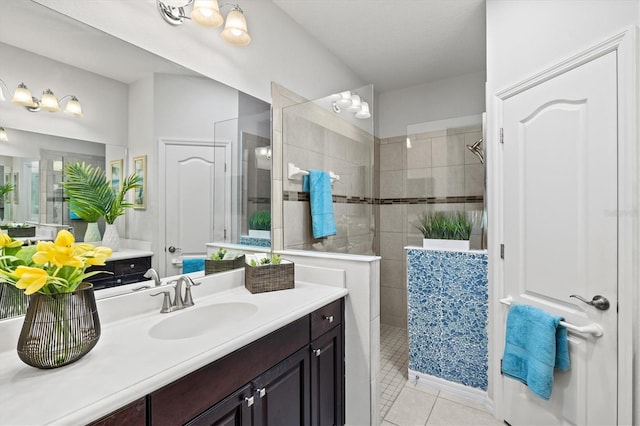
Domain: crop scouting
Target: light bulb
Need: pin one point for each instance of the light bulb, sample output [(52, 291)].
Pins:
[(22, 96), (235, 30), (74, 107), (207, 13), (49, 102), (364, 112)]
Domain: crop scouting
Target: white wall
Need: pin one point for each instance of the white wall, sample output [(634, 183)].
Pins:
[(280, 50), (172, 107), (104, 101), (444, 99), (526, 36)]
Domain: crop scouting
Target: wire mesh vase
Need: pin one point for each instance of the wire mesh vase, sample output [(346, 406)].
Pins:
[(59, 329), (13, 301)]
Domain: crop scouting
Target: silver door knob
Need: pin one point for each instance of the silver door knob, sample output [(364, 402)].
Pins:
[(598, 302)]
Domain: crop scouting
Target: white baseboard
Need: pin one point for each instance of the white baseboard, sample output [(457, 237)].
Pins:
[(456, 390)]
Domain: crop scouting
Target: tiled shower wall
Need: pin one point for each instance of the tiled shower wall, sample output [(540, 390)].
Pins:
[(437, 173), (315, 138)]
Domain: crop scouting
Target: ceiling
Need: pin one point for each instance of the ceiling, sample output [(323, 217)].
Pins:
[(391, 44), (396, 44)]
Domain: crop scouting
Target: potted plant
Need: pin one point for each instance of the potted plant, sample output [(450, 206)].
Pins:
[(223, 260), (264, 272), (5, 189), (91, 195), (260, 224), (61, 323), (449, 231)]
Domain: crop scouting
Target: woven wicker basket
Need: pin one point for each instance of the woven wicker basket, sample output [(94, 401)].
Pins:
[(258, 279), (213, 266), (29, 231)]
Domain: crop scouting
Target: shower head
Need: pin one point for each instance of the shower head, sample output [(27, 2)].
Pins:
[(477, 150)]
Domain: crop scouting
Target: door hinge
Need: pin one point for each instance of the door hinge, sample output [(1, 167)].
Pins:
[(501, 135), (225, 234), (225, 167), (501, 251)]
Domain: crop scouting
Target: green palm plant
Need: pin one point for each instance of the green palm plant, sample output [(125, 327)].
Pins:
[(5, 189), (91, 195)]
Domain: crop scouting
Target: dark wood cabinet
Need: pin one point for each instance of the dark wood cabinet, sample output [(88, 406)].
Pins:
[(327, 379), (120, 272), (133, 414), (234, 410), (282, 394), (285, 378)]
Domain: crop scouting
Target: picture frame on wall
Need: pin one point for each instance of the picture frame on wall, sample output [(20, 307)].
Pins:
[(116, 174), (16, 188), (140, 194)]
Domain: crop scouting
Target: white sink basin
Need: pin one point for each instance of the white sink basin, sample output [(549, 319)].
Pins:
[(198, 321)]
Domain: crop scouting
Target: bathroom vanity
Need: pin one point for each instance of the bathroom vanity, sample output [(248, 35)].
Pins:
[(293, 376), (234, 356), (124, 267)]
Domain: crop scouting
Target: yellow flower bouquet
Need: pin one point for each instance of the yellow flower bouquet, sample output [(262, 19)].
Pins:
[(61, 324), (49, 267)]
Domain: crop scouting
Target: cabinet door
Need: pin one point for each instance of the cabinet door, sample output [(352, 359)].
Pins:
[(282, 393), (327, 379), (235, 410)]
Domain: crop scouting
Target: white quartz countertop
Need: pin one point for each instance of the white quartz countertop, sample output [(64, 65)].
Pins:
[(127, 363), (128, 253)]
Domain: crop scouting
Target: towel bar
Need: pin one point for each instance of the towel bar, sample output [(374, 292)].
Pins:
[(293, 171), (593, 328)]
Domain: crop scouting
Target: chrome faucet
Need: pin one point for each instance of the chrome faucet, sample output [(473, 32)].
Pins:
[(153, 274), (178, 302)]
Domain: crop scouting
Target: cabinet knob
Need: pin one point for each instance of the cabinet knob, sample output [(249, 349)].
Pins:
[(262, 392), (249, 400), (317, 352), (328, 318), (132, 266)]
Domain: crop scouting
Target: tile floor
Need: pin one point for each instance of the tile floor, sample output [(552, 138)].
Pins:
[(404, 404)]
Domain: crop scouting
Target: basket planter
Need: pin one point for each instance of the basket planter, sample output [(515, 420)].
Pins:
[(213, 266), (258, 279), (59, 329), (29, 231)]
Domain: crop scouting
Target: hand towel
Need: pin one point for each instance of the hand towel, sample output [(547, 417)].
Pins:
[(535, 345), (192, 264), (318, 184)]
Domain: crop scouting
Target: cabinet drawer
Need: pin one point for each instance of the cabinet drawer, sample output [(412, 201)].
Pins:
[(325, 318), (131, 266)]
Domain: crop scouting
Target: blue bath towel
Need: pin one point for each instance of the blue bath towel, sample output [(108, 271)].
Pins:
[(192, 264), (318, 184), (535, 345)]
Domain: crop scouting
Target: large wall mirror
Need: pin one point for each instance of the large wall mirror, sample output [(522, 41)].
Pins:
[(133, 101)]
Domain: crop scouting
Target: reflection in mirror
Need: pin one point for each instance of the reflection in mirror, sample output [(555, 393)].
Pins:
[(248, 219), (128, 104)]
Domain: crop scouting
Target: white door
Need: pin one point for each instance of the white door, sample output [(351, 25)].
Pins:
[(194, 208), (560, 233)]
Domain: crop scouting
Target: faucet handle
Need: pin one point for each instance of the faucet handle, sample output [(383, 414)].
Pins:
[(188, 300), (166, 302)]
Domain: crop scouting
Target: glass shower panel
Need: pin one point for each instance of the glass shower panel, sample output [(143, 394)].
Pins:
[(332, 134)]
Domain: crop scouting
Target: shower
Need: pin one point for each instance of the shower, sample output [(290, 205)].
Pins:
[(477, 150)]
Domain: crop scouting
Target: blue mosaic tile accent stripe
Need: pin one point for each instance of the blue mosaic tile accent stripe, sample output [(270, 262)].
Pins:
[(254, 241), (447, 315)]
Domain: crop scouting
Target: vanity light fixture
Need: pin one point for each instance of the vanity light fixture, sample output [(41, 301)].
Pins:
[(3, 135), (22, 96), (351, 102), (207, 14)]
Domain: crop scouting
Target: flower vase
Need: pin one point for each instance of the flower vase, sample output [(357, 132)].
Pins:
[(92, 234), (59, 329), (111, 238)]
